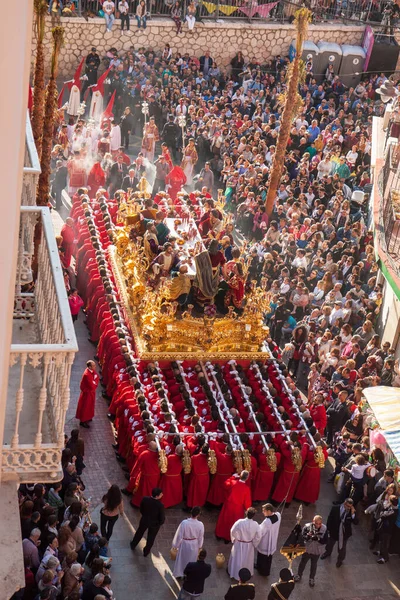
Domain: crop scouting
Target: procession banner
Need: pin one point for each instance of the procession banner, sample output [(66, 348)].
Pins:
[(210, 6), (249, 11), (227, 9), (368, 44), (264, 9)]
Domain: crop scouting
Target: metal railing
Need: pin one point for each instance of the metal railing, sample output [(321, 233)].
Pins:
[(31, 168), (389, 188), (346, 11), (38, 391)]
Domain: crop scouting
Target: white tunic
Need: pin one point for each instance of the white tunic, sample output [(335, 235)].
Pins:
[(245, 536), (96, 106), (269, 535), (188, 539), (115, 138), (74, 101)]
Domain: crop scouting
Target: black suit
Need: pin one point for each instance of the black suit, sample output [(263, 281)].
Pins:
[(153, 516), (195, 574), (90, 591), (333, 525), (127, 127), (117, 174), (170, 135), (59, 184), (238, 591), (337, 414), (128, 183), (202, 61)]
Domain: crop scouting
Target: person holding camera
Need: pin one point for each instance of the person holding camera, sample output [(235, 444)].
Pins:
[(315, 536)]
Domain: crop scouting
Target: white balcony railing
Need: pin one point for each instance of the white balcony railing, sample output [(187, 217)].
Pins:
[(31, 168), (42, 353)]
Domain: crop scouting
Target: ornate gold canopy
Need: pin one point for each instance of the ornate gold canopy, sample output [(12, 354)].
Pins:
[(160, 334)]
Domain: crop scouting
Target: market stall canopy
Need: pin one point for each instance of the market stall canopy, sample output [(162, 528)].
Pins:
[(385, 403)]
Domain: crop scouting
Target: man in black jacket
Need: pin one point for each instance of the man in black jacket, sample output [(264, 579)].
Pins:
[(127, 127), (94, 588), (195, 574), (282, 588), (117, 173), (153, 516), (170, 135), (339, 527), (279, 319), (130, 181), (59, 183), (206, 63), (242, 590), (338, 413)]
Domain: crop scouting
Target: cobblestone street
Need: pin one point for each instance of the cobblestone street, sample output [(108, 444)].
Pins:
[(151, 578)]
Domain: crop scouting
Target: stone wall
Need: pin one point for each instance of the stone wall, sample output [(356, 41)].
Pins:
[(262, 40)]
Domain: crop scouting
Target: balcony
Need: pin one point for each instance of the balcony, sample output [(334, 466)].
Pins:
[(31, 168), (41, 356)]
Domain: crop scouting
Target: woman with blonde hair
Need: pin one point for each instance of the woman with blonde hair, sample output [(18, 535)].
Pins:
[(327, 281), (366, 332), (66, 542)]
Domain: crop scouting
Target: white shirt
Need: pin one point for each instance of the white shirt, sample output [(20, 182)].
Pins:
[(108, 7), (188, 539), (269, 535), (123, 8)]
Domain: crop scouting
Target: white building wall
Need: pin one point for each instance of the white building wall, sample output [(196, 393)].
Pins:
[(15, 56)]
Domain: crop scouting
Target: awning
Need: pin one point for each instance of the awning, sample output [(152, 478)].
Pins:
[(385, 403)]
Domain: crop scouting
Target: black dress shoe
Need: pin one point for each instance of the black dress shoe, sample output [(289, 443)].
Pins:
[(120, 458), (324, 555), (85, 425), (339, 564), (111, 417), (115, 446), (126, 493)]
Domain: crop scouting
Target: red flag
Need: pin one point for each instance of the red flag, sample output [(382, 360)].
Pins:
[(108, 113)]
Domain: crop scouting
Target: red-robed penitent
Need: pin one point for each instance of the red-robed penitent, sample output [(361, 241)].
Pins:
[(176, 179), (199, 481), (262, 485), (87, 398), (96, 179), (289, 476), (310, 481), (68, 237), (171, 482), (237, 502), (225, 468), (145, 476)]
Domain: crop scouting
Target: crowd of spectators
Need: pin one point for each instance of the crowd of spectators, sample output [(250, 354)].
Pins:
[(313, 255), (65, 553)]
